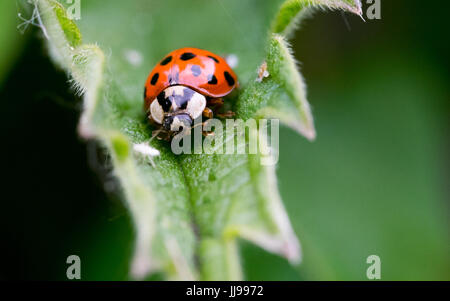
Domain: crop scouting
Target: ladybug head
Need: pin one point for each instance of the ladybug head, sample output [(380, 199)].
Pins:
[(177, 123)]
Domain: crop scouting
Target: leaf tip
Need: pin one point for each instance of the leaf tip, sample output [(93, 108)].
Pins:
[(308, 132), (285, 243), (292, 12), (292, 250), (357, 9)]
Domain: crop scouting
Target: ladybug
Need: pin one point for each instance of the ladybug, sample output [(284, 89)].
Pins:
[(185, 84)]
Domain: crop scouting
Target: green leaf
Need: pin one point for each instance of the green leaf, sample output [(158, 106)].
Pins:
[(70, 29), (281, 94), (293, 11), (188, 210), (10, 39)]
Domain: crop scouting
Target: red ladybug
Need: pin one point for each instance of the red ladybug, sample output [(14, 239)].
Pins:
[(185, 84)]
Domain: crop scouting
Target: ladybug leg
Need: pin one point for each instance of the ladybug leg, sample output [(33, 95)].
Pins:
[(217, 103), (156, 133), (161, 134), (207, 134), (208, 113), (204, 133), (225, 115)]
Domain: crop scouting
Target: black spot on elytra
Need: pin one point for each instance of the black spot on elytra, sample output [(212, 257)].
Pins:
[(196, 70), (187, 56), (212, 79), (166, 60), (213, 58), (145, 92), (229, 78), (154, 79), (164, 102)]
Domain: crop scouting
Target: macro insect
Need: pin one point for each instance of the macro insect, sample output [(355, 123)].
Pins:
[(186, 84)]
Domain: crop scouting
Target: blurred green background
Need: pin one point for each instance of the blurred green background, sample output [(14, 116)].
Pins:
[(375, 181)]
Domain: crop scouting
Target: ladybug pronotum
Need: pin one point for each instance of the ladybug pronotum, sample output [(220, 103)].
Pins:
[(185, 84)]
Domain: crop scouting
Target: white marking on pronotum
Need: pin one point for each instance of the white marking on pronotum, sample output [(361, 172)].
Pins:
[(147, 151), (157, 112), (232, 60), (196, 105), (172, 92), (133, 57)]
